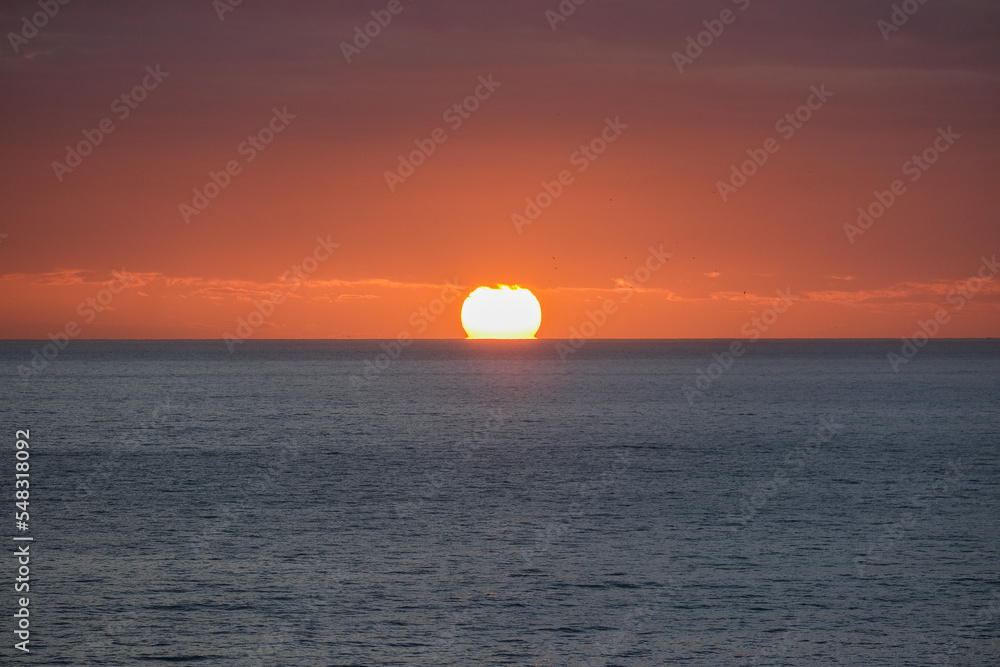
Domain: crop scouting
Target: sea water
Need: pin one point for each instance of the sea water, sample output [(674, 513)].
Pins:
[(477, 502)]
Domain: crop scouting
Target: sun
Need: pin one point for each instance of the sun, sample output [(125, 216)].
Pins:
[(504, 312)]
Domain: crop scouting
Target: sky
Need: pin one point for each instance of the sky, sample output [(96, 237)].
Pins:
[(662, 169)]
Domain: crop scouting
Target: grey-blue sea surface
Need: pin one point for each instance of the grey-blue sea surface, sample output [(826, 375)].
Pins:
[(468, 503)]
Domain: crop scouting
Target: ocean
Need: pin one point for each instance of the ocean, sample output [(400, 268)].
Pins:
[(487, 502)]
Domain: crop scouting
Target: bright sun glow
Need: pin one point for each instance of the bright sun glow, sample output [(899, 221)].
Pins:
[(503, 312)]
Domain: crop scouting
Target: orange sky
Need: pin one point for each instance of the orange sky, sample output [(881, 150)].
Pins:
[(336, 128)]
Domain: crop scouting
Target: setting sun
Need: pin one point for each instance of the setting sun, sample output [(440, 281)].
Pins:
[(501, 312)]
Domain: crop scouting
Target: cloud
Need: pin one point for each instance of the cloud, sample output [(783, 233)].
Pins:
[(357, 297), (212, 288), (904, 292), (61, 277)]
